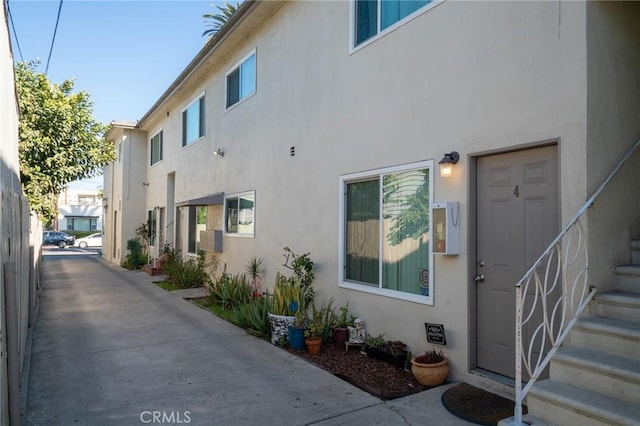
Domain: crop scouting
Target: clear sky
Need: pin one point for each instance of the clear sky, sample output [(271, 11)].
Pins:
[(124, 53)]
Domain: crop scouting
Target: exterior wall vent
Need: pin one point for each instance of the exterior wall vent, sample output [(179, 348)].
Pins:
[(292, 151)]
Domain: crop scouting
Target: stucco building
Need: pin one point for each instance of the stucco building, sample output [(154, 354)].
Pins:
[(80, 210), (321, 125)]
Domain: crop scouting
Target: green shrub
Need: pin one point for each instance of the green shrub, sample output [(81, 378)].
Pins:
[(229, 291), (186, 273), (302, 267), (253, 316), (134, 258)]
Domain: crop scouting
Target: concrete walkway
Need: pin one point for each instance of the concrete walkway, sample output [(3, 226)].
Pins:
[(111, 348)]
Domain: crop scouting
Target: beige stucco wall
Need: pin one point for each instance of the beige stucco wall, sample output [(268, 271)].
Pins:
[(125, 192), (613, 58), (475, 77)]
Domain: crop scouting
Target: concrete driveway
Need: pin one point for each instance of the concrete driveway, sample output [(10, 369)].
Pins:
[(111, 348)]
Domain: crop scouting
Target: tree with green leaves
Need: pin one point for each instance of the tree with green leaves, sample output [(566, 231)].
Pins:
[(217, 20), (59, 141)]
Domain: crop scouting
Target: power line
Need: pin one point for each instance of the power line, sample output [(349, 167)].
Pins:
[(15, 34), (55, 30)]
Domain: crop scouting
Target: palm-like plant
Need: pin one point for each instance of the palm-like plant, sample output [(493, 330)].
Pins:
[(217, 20)]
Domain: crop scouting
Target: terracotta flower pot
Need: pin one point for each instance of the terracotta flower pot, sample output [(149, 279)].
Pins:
[(313, 344), (430, 374)]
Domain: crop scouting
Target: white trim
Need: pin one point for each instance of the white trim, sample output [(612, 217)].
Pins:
[(352, 28), (238, 195), (235, 67), (377, 289)]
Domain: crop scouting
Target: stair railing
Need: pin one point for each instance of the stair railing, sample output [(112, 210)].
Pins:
[(562, 268)]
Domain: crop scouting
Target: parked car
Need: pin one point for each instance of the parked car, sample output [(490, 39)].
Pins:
[(93, 240), (57, 238)]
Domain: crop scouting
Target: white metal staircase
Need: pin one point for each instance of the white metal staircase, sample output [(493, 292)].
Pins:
[(594, 378)]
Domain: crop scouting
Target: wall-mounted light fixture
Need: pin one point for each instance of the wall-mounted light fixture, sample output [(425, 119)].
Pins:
[(219, 152), (447, 162), (145, 183)]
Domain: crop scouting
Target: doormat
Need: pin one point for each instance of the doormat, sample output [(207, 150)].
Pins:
[(476, 405)]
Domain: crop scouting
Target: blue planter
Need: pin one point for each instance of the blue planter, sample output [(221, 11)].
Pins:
[(296, 338)]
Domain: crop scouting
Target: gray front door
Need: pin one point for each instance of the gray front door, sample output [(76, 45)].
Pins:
[(517, 217)]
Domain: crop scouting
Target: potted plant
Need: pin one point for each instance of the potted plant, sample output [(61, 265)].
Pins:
[(393, 352), (313, 334), (430, 369), (341, 330), (287, 298), (296, 331)]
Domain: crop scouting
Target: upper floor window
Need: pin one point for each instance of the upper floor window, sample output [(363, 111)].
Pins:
[(241, 80), (193, 122), (374, 16), (239, 211), (156, 148)]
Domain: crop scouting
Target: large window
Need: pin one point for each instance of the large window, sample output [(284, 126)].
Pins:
[(82, 223), (193, 122), (239, 213), (385, 232), (241, 80), (156, 148), (197, 223), (375, 16)]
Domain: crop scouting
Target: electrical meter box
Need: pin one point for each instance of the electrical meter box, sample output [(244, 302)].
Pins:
[(446, 228)]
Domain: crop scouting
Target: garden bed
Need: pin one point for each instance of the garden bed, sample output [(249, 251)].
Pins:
[(372, 375)]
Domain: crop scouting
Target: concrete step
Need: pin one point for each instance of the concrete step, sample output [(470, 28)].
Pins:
[(618, 304), (597, 371), (628, 278), (563, 404), (614, 336), (635, 252)]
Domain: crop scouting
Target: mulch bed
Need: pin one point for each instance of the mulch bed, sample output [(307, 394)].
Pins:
[(376, 377)]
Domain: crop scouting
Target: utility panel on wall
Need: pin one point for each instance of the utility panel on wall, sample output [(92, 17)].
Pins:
[(446, 228)]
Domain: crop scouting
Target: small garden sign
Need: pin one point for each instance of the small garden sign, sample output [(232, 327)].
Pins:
[(435, 333)]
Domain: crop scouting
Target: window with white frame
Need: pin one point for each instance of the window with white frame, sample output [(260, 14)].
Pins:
[(197, 224), (385, 232), (156, 148), (193, 123), (82, 223), (239, 214), (241, 80), (372, 17)]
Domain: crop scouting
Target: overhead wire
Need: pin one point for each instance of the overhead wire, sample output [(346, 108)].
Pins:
[(15, 34), (53, 39)]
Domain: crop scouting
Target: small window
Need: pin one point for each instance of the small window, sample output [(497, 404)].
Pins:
[(193, 122), (371, 17), (385, 232), (241, 80), (156, 148), (239, 214)]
